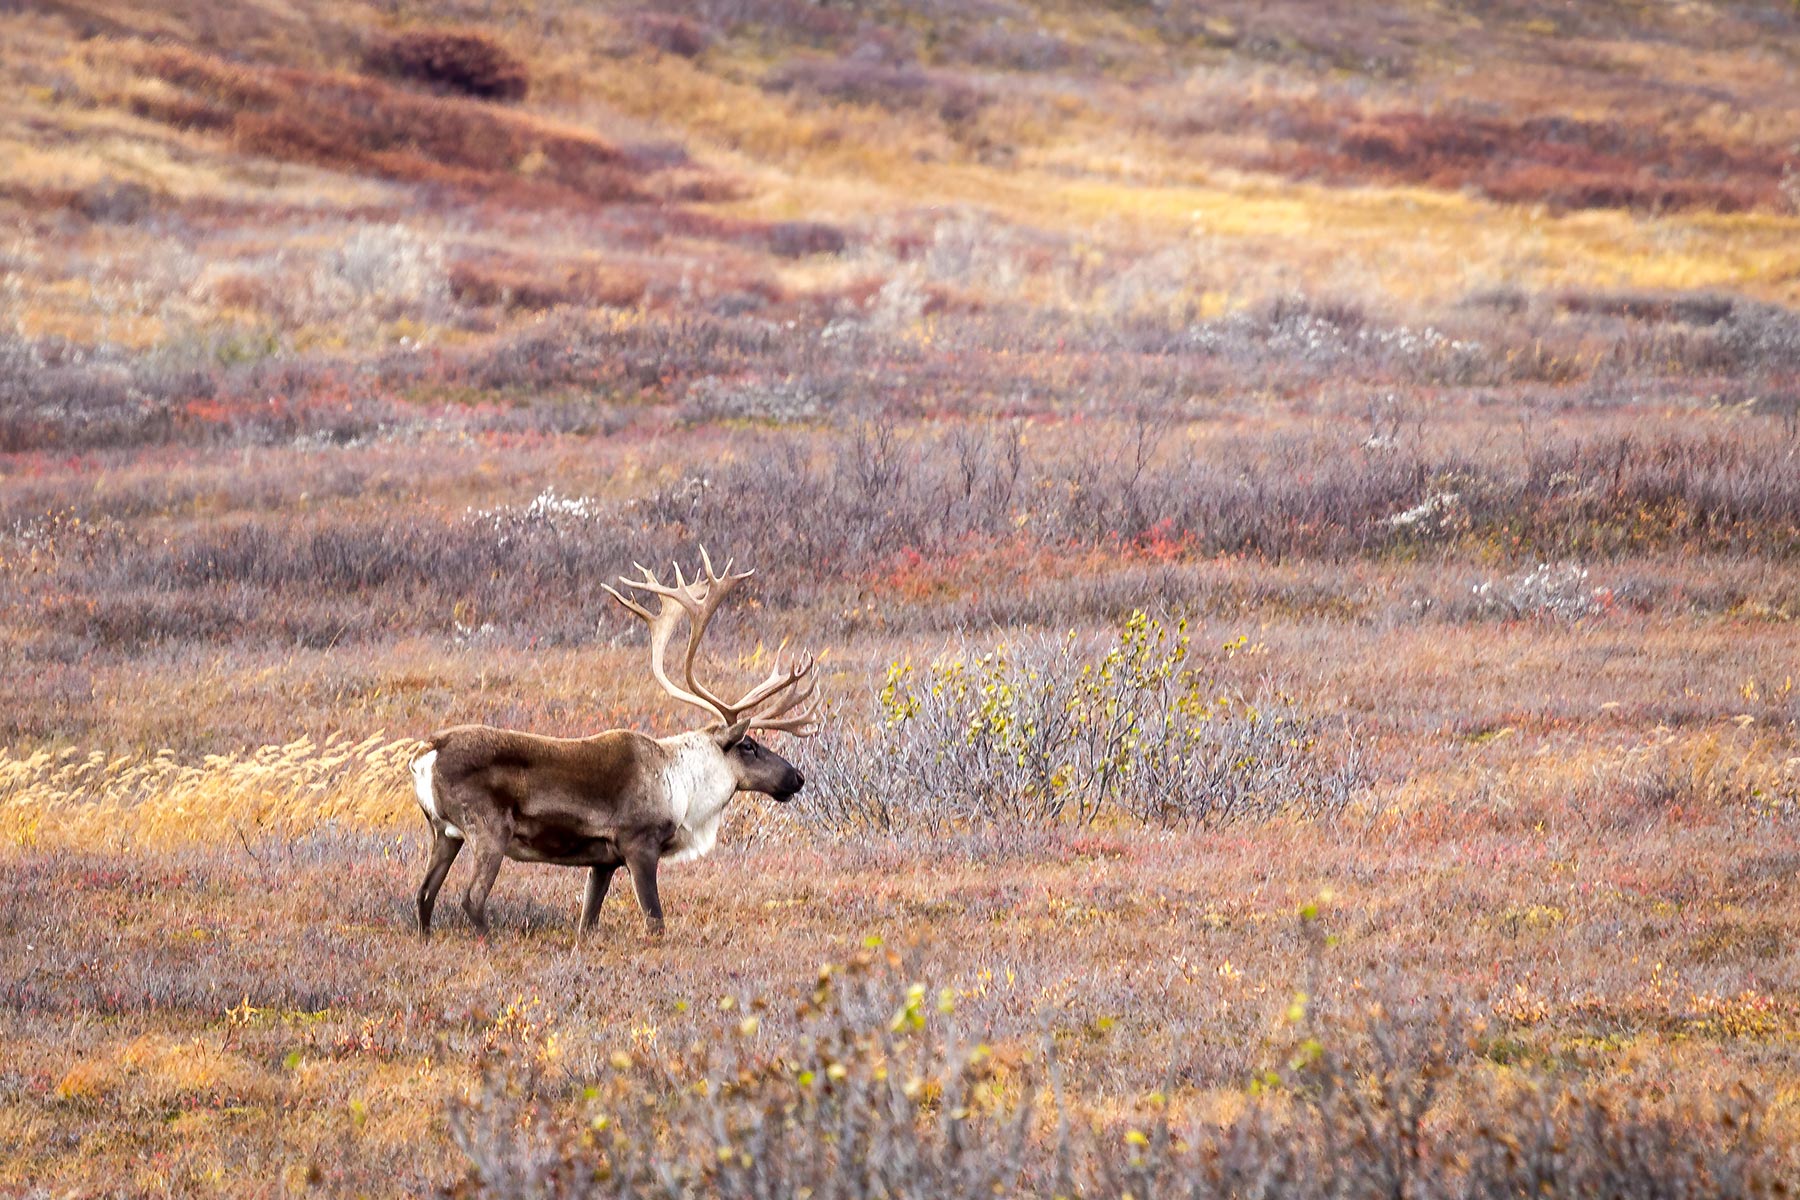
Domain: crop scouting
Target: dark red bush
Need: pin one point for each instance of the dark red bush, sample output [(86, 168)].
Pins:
[(1561, 162), (470, 64), (353, 123)]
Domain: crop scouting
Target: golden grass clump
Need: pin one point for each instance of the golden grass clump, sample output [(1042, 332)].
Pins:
[(64, 798)]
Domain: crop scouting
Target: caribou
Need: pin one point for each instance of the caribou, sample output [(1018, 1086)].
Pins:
[(619, 798)]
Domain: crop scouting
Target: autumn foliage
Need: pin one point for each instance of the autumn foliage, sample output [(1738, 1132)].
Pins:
[(464, 62), (353, 123), (1298, 506)]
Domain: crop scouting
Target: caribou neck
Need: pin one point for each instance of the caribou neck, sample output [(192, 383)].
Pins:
[(699, 783)]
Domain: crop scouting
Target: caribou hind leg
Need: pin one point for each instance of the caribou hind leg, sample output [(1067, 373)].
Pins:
[(488, 857), (443, 852), (599, 879)]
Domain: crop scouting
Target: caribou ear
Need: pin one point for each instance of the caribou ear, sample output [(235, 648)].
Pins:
[(729, 736)]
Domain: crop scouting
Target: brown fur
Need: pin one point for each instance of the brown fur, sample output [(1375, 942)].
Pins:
[(600, 802)]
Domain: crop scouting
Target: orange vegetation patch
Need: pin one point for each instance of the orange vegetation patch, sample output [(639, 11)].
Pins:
[(351, 123), (1564, 162)]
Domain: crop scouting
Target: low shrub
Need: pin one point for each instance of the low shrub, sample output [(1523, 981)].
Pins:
[(460, 61), (920, 515), (1021, 46), (1690, 308), (360, 124), (1562, 162), (798, 239), (115, 201), (780, 402), (777, 22), (671, 34), (879, 1093), (1745, 767), (1050, 730), (532, 286), (880, 85), (1558, 592), (381, 272)]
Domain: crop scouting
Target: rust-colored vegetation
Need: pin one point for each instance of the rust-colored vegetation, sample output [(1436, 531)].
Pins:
[(1568, 163), (1299, 503), (1565, 163), (365, 126), (465, 62)]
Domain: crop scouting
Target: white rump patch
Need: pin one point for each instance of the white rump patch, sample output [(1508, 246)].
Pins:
[(424, 789)]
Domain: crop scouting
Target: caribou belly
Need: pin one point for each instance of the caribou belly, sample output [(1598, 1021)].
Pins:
[(563, 849)]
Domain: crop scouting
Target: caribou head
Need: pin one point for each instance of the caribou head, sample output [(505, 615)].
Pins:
[(780, 702)]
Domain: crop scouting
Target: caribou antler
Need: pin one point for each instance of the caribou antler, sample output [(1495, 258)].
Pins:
[(698, 601)]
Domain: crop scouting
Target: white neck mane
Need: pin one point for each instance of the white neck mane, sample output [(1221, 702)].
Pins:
[(699, 785)]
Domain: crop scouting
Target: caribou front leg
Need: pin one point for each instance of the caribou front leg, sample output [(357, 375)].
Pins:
[(643, 879)]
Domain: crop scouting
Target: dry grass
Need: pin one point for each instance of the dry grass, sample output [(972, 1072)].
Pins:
[(1190, 950), (1439, 373), (63, 800)]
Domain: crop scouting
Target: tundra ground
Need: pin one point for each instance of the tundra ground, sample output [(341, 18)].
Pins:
[(1299, 517)]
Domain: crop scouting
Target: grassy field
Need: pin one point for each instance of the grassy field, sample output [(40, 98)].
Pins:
[(1297, 507)]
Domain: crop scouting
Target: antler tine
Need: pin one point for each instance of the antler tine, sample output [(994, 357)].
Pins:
[(671, 604), (780, 715), (682, 594), (699, 600), (800, 724), (649, 584), (716, 576), (699, 617), (777, 680), (786, 704), (630, 605)]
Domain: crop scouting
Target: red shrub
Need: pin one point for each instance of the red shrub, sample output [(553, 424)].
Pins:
[(1563, 162), (467, 63), (351, 123), (1566, 188)]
